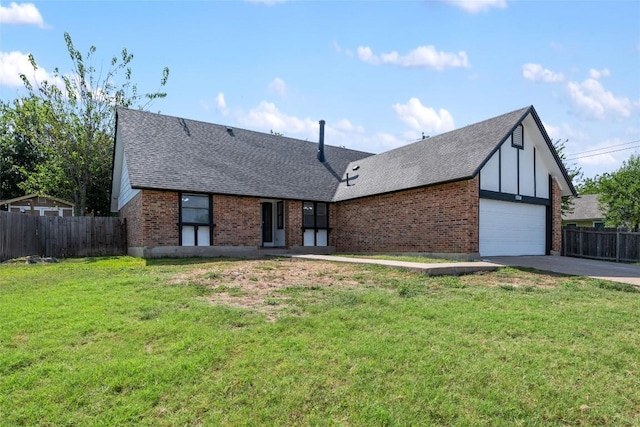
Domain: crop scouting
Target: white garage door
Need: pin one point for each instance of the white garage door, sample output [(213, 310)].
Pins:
[(508, 228)]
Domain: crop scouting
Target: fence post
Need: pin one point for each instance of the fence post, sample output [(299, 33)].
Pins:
[(580, 242), (618, 244), (564, 241)]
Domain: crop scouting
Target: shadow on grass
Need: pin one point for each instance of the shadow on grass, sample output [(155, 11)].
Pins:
[(535, 271)]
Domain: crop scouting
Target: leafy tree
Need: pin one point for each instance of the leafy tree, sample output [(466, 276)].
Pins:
[(620, 194), (589, 185), (76, 127), (19, 155), (574, 171)]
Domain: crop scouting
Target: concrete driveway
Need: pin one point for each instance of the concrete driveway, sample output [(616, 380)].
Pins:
[(617, 272)]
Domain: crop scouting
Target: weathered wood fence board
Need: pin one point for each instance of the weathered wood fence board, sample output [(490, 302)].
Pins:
[(606, 244), (23, 235)]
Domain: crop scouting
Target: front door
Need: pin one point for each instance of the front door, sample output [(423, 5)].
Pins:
[(267, 224)]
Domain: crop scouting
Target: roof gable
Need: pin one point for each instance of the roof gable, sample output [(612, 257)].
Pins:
[(451, 156)]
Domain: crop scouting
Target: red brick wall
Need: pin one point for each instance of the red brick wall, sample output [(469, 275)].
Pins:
[(152, 218), (333, 220), (293, 223), (556, 218), (237, 221), (160, 218), (132, 212), (442, 218)]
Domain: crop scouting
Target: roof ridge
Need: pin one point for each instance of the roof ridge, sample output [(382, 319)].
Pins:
[(168, 116)]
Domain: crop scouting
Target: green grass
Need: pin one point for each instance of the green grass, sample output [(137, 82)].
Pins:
[(121, 341)]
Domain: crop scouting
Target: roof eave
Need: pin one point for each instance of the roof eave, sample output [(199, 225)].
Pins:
[(557, 158), (433, 184)]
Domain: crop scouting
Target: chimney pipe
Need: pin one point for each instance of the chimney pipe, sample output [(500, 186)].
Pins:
[(320, 156)]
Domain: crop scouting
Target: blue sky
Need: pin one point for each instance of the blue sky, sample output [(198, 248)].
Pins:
[(380, 73)]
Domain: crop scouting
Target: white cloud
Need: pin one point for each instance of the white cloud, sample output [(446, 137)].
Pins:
[(12, 64), (365, 54), (590, 100), (424, 119), (476, 6), (598, 74), (422, 56), (565, 131), (23, 13), (599, 157), (278, 86), (536, 73), (345, 125), (266, 116), (580, 149), (221, 104)]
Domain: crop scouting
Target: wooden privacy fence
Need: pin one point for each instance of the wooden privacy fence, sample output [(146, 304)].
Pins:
[(607, 244), (23, 235)]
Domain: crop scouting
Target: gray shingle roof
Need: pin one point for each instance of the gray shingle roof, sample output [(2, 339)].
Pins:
[(171, 153), (451, 156), (585, 207)]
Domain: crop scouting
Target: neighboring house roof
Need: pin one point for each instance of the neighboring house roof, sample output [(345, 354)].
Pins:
[(451, 156), (171, 153), (585, 207), (32, 196)]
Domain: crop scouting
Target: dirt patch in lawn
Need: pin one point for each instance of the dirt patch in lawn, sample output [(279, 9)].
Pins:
[(275, 285), (262, 285)]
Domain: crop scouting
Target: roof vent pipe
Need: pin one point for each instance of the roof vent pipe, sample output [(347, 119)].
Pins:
[(321, 144)]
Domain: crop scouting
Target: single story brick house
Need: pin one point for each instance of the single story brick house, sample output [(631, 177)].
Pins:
[(188, 188)]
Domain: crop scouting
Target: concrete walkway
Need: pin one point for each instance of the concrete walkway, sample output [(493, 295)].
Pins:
[(431, 269), (624, 273), (616, 272)]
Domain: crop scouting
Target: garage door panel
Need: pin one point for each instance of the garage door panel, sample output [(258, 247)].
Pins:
[(508, 228)]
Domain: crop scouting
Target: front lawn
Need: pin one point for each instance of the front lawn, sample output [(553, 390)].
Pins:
[(121, 341)]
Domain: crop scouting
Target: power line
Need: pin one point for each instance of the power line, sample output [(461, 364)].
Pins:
[(602, 148), (606, 152)]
